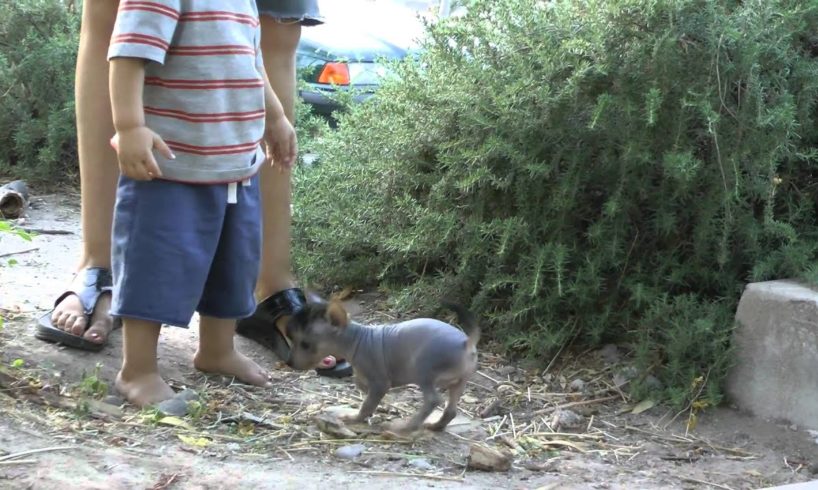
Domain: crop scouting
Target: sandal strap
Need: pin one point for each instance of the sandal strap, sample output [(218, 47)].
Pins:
[(285, 302), (88, 285)]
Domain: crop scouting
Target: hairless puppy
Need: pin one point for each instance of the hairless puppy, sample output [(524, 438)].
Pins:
[(429, 353)]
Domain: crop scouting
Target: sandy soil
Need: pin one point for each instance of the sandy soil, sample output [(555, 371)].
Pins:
[(244, 437)]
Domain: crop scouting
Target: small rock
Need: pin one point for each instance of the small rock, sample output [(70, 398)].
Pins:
[(469, 399), (577, 385), (188, 395), (566, 419), (175, 407), (113, 400), (488, 459), (610, 354), (233, 446), (421, 464), (794, 428), (350, 452)]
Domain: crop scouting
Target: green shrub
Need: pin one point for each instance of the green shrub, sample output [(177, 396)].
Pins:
[(614, 168), (37, 59)]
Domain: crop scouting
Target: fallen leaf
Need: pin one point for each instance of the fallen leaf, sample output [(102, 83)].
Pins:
[(692, 421), (469, 399), (246, 428), (643, 406), (174, 422), (194, 441), (329, 424)]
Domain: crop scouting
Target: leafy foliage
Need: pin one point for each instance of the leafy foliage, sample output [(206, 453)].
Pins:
[(37, 58), (618, 169)]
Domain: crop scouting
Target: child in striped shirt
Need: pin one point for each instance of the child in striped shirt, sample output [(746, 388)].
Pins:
[(191, 106)]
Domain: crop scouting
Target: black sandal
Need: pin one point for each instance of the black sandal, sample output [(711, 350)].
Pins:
[(261, 327), (88, 285)]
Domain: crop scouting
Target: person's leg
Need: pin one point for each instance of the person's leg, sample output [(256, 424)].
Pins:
[(279, 41), (138, 379), (218, 355), (98, 167), (275, 290)]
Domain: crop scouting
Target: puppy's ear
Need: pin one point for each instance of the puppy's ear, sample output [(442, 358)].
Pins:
[(297, 321), (337, 315)]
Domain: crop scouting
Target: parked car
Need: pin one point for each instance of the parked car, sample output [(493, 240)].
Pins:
[(348, 51)]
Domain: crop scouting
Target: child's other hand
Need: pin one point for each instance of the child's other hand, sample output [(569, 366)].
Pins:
[(280, 142), (134, 149)]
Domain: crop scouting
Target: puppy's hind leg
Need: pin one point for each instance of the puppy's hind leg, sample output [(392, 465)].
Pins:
[(431, 399), (450, 412)]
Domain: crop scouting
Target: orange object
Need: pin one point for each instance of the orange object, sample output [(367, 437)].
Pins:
[(334, 73)]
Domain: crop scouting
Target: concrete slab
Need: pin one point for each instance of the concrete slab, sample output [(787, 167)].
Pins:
[(776, 369)]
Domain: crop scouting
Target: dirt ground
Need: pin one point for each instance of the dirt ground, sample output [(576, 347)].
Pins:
[(570, 427)]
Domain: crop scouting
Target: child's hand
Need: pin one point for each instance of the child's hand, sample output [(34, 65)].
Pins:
[(280, 142), (134, 149)]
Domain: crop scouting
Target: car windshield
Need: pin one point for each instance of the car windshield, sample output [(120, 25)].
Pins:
[(397, 21)]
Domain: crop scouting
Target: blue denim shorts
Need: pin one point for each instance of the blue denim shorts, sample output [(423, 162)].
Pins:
[(179, 248), (305, 12)]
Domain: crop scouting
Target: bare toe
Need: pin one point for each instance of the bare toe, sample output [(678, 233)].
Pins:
[(76, 325), (97, 334), (60, 319), (70, 307), (101, 322)]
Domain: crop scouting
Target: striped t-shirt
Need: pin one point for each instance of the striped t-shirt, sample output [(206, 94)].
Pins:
[(204, 85)]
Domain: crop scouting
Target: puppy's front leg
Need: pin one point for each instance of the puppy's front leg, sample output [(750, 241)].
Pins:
[(371, 402), (374, 395)]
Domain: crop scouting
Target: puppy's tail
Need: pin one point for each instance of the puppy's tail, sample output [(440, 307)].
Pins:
[(467, 320)]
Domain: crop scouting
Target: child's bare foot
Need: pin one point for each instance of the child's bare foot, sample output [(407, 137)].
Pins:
[(143, 389), (233, 364)]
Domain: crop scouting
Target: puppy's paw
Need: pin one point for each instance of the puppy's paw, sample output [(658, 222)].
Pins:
[(400, 428), (351, 419), (435, 427)]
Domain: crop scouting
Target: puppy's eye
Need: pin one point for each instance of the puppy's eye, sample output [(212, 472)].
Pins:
[(304, 344)]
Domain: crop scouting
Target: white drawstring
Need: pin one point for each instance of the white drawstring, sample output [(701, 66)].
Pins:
[(232, 193)]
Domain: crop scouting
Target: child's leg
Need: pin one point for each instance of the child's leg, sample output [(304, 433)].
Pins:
[(218, 355), (228, 291), (165, 236), (138, 380)]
